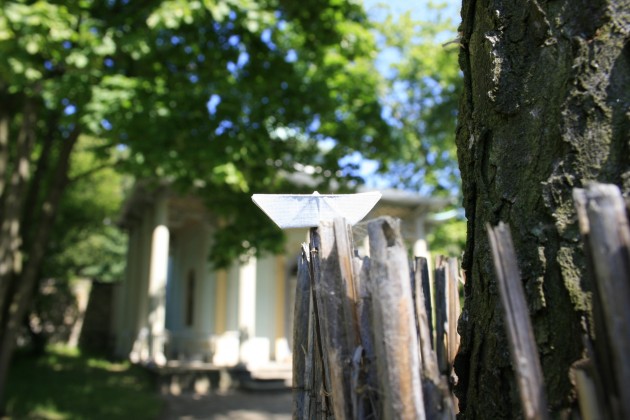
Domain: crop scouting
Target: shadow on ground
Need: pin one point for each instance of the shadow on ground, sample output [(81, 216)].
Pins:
[(233, 405), (64, 384)]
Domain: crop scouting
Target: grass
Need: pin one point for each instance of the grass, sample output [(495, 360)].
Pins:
[(64, 384)]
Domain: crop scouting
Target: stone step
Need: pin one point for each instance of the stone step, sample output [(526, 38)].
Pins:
[(205, 378), (265, 385)]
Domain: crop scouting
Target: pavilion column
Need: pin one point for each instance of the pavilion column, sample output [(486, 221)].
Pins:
[(280, 347), (420, 248), (158, 271), (128, 316), (140, 288), (247, 298), (221, 296)]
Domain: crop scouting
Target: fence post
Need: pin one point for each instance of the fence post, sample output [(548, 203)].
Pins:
[(519, 329), (396, 341), (441, 315), (438, 401), (301, 358), (336, 298), (365, 375), (452, 290), (606, 235)]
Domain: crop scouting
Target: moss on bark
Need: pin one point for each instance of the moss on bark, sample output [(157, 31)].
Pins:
[(545, 109)]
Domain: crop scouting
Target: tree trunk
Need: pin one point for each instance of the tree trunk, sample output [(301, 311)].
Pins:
[(4, 146), (40, 175), (25, 281), (18, 174), (545, 109)]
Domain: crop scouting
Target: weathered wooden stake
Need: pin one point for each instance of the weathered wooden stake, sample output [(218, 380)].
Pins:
[(452, 289), (519, 329), (364, 381), (302, 375), (362, 346), (396, 341), (606, 232), (581, 374), (421, 270), (336, 297), (429, 360), (438, 400), (441, 315)]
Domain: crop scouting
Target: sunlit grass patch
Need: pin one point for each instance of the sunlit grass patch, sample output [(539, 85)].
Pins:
[(63, 384)]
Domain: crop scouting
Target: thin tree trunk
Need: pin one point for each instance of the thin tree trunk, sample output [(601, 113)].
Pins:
[(4, 146), (12, 206), (41, 173), (544, 109), (21, 299), (4, 162)]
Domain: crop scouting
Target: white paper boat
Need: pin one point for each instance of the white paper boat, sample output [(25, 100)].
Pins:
[(307, 210)]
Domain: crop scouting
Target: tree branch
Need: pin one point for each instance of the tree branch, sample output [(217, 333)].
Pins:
[(92, 171)]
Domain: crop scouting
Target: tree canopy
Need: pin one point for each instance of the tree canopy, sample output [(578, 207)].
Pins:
[(226, 97), (222, 96)]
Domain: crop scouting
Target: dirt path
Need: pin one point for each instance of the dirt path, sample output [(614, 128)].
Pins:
[(234, 405)]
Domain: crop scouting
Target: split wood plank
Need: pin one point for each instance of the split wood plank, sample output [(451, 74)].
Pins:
[(441, 315), (430, 368), (438, 402), (581, 374), (396, 342), (453, 306), (364, 386), (607, 231), (421, 268), (519, 329), (336, 298), (598, 349), (322, 404), (302, 358)]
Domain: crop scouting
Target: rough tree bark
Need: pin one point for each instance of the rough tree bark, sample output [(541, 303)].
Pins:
[(546, 107)]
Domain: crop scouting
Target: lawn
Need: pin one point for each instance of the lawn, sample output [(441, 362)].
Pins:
[(64, 384)]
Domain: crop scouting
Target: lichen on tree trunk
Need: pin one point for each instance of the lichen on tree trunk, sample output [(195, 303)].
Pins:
[(545, 108)]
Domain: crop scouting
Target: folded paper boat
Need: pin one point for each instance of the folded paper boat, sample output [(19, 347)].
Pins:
[(308, 210)]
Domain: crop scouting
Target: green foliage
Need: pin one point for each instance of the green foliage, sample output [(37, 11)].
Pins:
[(448, 238), (226, 95), (85, 242), (421, 99), (65, 384), (53, 314)]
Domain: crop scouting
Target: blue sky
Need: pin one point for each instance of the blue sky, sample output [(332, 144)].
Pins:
[(416, 7), (377, 10)]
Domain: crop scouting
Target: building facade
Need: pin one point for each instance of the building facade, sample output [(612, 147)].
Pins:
[(173, 304)]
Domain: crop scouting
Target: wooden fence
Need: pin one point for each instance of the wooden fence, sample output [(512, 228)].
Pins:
[(364, 342), (373, 338), (602, 379)]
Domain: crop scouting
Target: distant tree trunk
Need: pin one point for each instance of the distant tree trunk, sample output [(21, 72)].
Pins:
[(26, 230), (15, 176), (546, 108)]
